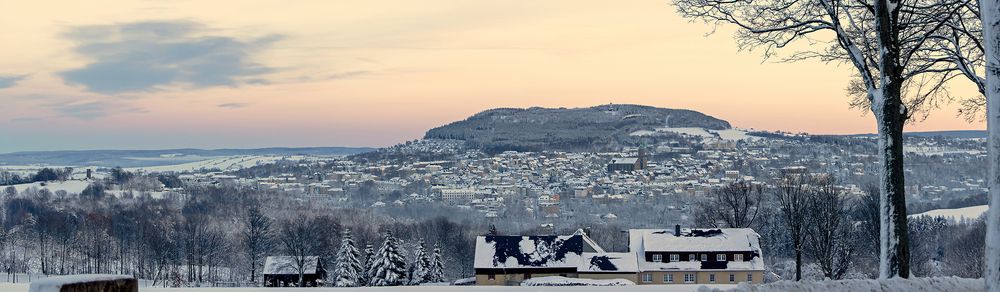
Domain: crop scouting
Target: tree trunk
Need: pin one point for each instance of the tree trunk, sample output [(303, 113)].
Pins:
[(990, 10), (798, 263), (890, 115), (894, 251)]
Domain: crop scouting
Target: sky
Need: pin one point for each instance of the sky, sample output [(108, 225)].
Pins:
[(241, 74)]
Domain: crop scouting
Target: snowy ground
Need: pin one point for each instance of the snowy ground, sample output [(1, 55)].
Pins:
[(70, 186), (7, 287), (222, 163), (967, 213), (892, 285), (932, 151), (728, 135)]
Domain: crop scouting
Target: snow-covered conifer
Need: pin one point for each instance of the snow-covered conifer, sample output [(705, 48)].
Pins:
[(388, 265), (437, 266), (366, 274), (349, 267), (421, 266)]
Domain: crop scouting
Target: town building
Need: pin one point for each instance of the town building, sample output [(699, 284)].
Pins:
[(655, 256)]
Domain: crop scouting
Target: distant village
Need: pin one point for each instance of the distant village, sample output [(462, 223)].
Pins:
[(636, 213)]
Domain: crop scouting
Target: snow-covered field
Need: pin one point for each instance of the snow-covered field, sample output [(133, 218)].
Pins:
[(967, 213), (891, 285), (932, 151), (643, 288), (728, 135), (70, 186), (222, 163)]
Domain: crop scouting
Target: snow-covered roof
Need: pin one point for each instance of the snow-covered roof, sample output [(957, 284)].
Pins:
[(697, 240), (610, 262), (694, 240), (508, 252), (286, 265), (56, 283), (626, 160)]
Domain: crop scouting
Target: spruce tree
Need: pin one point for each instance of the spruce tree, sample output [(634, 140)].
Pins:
[(348, 265), (366, 274), (436, 274), (389, 266), (421, 266)]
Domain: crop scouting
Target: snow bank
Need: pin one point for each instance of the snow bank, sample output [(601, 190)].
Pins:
[(564, 281), (891, 285), (55, 284)]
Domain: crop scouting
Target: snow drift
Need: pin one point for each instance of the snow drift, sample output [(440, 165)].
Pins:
[(564, 281), (864, 285)]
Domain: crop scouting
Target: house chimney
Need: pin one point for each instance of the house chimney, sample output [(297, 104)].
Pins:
[(677, 230)]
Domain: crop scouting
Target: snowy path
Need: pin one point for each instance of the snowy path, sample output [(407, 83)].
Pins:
[(892, 285), (7, 287)]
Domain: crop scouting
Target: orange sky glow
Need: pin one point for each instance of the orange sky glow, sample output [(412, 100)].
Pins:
[(216, 74)]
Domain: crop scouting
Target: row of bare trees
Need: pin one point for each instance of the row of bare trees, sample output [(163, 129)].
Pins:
[(814, 215), (810, 220), (905, 53)]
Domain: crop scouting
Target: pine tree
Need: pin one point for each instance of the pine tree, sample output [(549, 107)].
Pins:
[(437, 266), (366, 274), (421, 266), (348, 265), (389, 266)]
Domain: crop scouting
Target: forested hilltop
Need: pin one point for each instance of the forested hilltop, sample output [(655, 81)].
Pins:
[(603, 127)]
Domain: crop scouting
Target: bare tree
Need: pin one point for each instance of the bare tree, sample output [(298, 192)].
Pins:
[(300, 239), (831, 238), (991, 36), (793, 201), (865, 212), (735, 205), (898, 78), (256, 237), (973, 45), (965, 255)]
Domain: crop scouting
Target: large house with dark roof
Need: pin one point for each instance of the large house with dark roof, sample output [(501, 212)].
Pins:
[(655, 256)]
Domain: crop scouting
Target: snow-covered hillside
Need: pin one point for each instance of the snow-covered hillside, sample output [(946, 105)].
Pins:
[(728, 135), (967, 213), (221, 163)]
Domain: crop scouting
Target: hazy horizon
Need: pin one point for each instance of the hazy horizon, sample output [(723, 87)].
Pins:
[(190, 74)]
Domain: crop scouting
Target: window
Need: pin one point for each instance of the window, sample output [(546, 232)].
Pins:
[(675, 257), (732, 278), (647, 278), (657, 257), (750, 278), (688, 278), (668, 278), (691, 257), (738, 257), (704, 257), (711, 278), (720, 257), (491, 276)]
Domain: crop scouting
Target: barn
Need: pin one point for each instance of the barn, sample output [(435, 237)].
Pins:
[(283, 271)]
